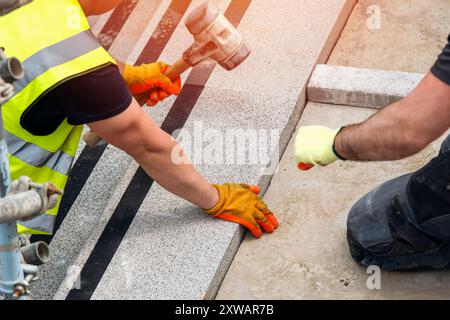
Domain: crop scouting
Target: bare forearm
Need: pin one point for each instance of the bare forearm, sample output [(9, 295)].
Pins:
[(182, 180), (385, 136), (401, 129), (121, 66), (135, 133)]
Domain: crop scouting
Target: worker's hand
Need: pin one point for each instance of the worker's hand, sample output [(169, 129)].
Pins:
[(241, 204), (149, 84), (314, 146)]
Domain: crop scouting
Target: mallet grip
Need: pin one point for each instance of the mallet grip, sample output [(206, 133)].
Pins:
[(173, 72)]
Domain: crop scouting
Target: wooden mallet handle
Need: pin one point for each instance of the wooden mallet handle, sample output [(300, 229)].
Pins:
[(173, 72)]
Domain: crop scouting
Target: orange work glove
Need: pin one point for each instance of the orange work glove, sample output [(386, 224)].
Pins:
[(241, 204), (149, 82)]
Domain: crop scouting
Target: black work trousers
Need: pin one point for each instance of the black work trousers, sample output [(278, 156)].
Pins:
[(404, 224)]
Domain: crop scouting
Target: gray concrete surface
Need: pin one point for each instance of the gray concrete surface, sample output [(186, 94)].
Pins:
[(360, 87), (308, 258), (410, 36), (93, 208), (173, 250)]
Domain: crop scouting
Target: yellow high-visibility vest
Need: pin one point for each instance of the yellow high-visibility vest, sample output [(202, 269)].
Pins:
[(53, 40)]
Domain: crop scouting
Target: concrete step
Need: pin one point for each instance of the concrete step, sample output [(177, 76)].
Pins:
[(126, 238), (360, 87)]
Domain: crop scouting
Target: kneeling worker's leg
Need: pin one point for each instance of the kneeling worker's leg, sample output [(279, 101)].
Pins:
[(405, 223)]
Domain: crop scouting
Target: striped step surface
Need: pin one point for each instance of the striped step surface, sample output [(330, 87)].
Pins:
[(120, 235)]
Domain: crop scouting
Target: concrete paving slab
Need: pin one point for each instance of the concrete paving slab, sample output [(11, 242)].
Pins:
[(360, 87), (396, 35), (308, 257), (174, 251)]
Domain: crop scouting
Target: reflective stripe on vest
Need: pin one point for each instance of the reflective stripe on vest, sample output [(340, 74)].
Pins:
[(56, 55), (44, 223), (38, 157)]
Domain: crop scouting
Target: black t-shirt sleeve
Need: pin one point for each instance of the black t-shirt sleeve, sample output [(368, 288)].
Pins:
[(94, 96), (441, 68), (99, 95)]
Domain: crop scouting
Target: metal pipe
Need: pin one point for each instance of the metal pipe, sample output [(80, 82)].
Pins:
[(11, 70), (20, 206), (35, 254), (11, 272)]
